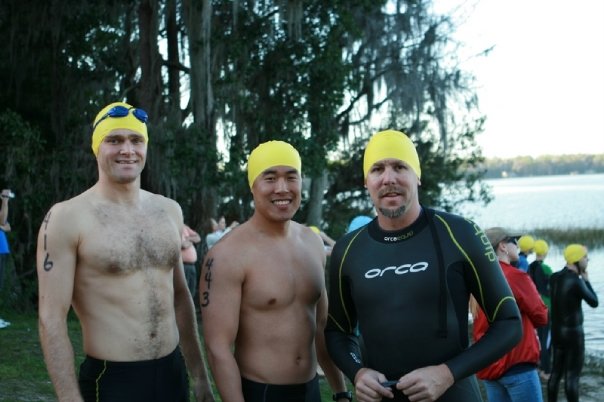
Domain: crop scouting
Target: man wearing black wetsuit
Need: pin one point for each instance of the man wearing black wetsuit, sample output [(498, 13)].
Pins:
[(405, 280), (568, 288)]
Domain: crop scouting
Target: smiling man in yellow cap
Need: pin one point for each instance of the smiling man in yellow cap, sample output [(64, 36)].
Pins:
[(263, 293), (113, 254), (569, 287), (403, 280)]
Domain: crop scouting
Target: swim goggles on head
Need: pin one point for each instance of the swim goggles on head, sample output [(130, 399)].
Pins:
[(122, 111)]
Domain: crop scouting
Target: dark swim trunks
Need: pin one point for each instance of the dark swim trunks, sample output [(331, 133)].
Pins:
[(259, 392), (160, 380)]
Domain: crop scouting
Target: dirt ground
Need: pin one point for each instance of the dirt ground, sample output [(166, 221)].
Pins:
[(591, 384)]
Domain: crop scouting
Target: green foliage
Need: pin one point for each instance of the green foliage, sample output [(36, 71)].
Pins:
[(314, 76)]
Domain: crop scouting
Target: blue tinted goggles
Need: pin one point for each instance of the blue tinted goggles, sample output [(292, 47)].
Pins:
[(122, 111)]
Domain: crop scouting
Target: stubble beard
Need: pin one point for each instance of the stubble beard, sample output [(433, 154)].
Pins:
[(393, 213)]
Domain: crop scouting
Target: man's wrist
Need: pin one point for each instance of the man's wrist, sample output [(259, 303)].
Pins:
[(342, 395)]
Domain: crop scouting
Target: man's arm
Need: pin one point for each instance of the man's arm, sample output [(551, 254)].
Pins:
[(4, 209), (189, 337), (588, 293), (528, 299), (341, 342), (192, 235), (332, 373), (56, 266), (220, 300), (186, 321), (485, 280)]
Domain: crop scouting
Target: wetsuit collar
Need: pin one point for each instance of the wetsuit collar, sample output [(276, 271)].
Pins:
[(396, 236)]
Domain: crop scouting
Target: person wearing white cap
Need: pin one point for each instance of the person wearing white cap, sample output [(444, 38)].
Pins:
[(404, 280), (568, 288)]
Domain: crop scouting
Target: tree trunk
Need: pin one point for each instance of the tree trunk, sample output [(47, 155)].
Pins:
[(198, 22), (173, 59), (315, 203)]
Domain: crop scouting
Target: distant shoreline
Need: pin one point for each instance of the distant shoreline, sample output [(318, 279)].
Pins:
[(548, 165)]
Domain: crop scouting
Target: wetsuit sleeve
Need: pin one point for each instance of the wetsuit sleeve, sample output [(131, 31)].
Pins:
[(485, 280), (340, 335), (589, 295)]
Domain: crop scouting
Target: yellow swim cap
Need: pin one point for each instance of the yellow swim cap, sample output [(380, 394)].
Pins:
[(315, 229), (541, 247), (391, 144), (526, 243), (103, 125), (269, 154), (574, 252)]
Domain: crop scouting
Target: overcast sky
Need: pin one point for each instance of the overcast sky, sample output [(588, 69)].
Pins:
[(542, 86)]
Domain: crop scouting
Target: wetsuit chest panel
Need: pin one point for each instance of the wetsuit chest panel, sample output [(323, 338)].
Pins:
[(396, 291)]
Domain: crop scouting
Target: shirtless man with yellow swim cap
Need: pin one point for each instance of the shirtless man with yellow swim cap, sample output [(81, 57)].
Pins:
[(113, 254), (262, 290)]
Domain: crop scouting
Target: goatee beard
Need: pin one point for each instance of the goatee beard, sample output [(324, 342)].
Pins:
[(393, 213)]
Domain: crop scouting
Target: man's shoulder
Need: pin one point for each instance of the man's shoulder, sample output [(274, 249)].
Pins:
[(450, 218), (72, 206), (159, 199)]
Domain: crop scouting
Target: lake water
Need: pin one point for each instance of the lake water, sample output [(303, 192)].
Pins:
[(574, 201)]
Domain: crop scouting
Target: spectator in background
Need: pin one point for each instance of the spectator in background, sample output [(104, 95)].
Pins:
[(525, 244), (540, 273), (189, 257), (5, 196), (219, 229), (328, 242), (357, 222), (568, 288), (514, 377)]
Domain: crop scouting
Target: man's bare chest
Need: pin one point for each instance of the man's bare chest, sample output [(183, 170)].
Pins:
[(119, 242)]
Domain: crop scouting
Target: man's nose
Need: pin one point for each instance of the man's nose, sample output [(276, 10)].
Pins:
[(281, 185), (127, 147), (389, 175)]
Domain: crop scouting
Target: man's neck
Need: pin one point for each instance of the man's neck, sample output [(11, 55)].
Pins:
[(120, 193), (270, 227), (400, 222)]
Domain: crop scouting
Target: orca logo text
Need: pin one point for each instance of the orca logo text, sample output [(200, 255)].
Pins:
[(397, 270)]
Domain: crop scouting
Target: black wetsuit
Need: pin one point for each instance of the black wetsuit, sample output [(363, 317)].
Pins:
[(541, 280), (408, 292), (161, 380), (567, 291)]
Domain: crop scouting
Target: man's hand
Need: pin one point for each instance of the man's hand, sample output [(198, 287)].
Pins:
[(367, 386), (203, 391), (426, 384)]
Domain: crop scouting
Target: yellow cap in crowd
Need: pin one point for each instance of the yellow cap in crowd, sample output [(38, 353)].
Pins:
[(574, 252), (526, 243), (541, 247), (269, 154), (391, 144)]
